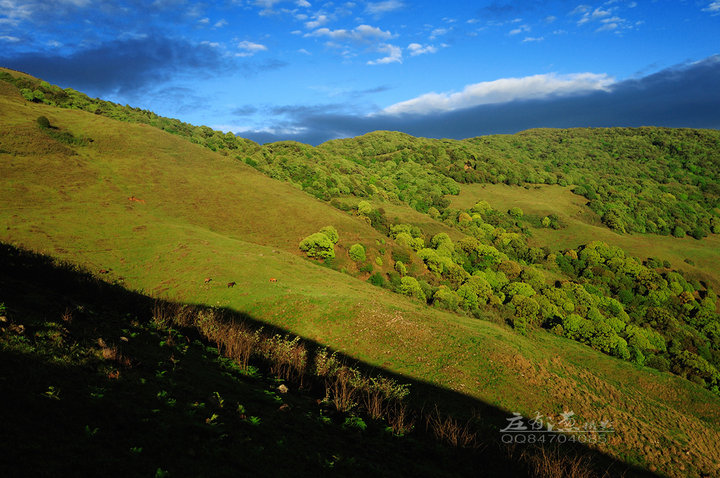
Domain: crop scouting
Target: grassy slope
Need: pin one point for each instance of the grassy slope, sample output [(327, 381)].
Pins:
[(156, 398), (207, 216), (583, 226)]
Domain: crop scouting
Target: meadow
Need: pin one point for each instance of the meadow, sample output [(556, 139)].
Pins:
[(202, 214)]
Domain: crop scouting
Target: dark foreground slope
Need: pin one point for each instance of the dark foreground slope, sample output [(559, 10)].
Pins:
[(95, 383)]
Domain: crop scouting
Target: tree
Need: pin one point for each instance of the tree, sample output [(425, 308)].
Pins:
[(43, 122), (364, 207), (446, 298), (357, 253), (331, 233), (318, 245), (410, 286), (678, 232), (516, 212), (481, 207)]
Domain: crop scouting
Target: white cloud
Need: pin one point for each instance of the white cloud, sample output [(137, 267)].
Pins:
[(533, 39), (580, 9), (377, 8), (437, 32), (249, 48), (502, 91), (713, 8), (220, 23), (204, 21), (319, 20), (9, 38), (304, 51), (362, 33), (303, 4), (607, 27), (418, 49), (520, 29), (394, 55), (266, 3), (15, 11)]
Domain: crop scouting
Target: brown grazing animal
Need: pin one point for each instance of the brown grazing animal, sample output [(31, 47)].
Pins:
[(273, 280), (134, 199), (231, 284), (207, 281)]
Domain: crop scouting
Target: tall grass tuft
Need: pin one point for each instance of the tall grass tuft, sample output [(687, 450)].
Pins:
[(449, 430)]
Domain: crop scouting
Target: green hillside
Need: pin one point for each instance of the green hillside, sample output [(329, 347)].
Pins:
[(160, 213)]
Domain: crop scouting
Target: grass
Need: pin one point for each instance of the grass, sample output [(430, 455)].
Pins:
[(583, 226), (116, 378), (209, 216)]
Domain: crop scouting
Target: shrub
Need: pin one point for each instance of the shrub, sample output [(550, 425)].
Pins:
[(331, 232), (357, 253), (364, 207), (678, 232), (379, 261), (377, 279), (318, 245), (447, 298), (400, 268), (43, 122), (516, 212), (410, 286)]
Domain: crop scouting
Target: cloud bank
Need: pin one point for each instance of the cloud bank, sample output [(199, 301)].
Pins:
[(502, 91), (121, 66), (681, 96)]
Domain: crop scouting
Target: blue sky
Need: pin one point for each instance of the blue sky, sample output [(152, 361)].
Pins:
[(310, 71)]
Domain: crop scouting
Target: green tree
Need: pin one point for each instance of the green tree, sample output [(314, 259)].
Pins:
[(357, 253), (318, 245), (446, 298), (411, 287), (331, 233), (516, 212), (43, 122), (364, 207)]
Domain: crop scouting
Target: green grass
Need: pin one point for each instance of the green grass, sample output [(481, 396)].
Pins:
[(206, 215), (87, 373)]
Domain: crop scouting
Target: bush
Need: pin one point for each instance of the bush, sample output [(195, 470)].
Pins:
[(331, 233), (678, 232), (516, 212), (446, 298), (43, 122), (410, 286), (357, 253), (318, 245), (364, 207), (377, 279)]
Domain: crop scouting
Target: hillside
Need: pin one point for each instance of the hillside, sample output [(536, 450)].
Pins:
[(155, 213)]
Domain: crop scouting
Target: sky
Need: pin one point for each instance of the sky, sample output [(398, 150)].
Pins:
[(310, 71)]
